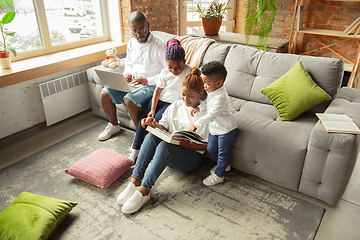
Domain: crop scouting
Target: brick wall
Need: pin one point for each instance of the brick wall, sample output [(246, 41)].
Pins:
[(319, 14), (331, 15), (162, 14)]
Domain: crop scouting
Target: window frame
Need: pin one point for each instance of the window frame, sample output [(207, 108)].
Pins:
[(184, 23), (45, 34)]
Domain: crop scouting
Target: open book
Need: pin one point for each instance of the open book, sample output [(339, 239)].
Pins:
[(176, 136), (338, 123)]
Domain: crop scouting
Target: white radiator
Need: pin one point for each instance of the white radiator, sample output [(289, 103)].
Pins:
[(65, 97)]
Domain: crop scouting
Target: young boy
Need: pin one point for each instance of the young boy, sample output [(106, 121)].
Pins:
[(222, 124)]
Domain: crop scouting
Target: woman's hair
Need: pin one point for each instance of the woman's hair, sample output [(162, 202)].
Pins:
[(193, 80), (174, 50)]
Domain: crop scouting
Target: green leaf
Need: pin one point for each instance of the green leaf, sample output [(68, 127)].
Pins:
[(8, 17), (9, 33), (11, 50), (259, 18)]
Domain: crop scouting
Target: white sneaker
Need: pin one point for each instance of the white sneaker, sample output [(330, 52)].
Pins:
[(135, 202), (213, 179), (228, 168), (109, 131), (126, 194), (134, 154)]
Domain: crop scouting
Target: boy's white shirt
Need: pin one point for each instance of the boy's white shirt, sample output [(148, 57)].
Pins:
[(171, 84), (177, 117), (219, 116), (145, 59)]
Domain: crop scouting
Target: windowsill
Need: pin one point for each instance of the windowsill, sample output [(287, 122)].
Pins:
[(28, 69)]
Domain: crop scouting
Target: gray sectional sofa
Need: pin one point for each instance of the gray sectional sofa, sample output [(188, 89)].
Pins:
[(298, 155)]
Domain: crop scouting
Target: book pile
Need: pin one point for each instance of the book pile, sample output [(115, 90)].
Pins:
[(354, 27)]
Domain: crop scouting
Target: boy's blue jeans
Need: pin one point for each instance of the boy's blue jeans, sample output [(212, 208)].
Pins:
[(162, 155), (219, 147)]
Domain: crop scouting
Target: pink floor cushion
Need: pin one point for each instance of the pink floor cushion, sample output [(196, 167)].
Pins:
[(101, 168)]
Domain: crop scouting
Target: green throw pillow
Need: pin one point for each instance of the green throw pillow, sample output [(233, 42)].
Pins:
[(32, 216), (294, 93)]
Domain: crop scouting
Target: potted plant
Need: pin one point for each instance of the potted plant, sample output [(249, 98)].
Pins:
[(5, 48), (259, 19), (212, 16)]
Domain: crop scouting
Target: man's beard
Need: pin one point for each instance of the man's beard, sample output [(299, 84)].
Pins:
[(143, 39)]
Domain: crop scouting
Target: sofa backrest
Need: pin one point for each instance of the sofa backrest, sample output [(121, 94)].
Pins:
[(250, 69)]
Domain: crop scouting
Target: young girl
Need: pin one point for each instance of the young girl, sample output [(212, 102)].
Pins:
[(168, 89), (222, 124), (184, 158)]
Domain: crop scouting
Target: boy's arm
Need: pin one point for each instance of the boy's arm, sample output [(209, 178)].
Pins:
[(154, 102), (219, 106)]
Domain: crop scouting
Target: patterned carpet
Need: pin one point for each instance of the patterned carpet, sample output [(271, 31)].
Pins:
[(181, 207)]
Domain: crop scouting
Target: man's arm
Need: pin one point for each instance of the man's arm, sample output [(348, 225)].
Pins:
[(128, 61)]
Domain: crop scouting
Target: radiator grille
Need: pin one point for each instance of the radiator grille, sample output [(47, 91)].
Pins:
[(65, 97), (62, 84)]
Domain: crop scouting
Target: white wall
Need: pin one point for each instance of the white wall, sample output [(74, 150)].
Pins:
[(21, 106)]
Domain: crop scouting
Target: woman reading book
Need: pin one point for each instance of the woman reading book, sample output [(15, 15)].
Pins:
[(185, 157)]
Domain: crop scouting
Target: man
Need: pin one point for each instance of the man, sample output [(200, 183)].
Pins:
[(145, 58)]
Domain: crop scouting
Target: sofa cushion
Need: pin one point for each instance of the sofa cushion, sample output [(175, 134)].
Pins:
[(294, 93), (216, 51), (32, 216), (250, 70), (266, 147)]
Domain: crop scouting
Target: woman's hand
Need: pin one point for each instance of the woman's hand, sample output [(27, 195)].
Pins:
[(139, 80), (151, 113), (148, 121), (185, 144), (192, 128), (193, 146)]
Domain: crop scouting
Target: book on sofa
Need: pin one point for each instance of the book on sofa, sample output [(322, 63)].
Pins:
[(338, 123), (176, 136)]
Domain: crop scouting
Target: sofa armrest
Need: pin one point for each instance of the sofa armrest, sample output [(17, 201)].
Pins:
[(331, 157)]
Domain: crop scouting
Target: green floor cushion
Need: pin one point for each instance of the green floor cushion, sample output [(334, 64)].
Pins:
[(32, 216), (100, 168), (294, 93)]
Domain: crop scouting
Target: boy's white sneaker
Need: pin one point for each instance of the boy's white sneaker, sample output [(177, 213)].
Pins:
[(228, 168), (135, 202), (126, 194), (212, 180), (109, 131)]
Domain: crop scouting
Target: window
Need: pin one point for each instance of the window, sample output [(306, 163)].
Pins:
[(46, 26), (190, 21)]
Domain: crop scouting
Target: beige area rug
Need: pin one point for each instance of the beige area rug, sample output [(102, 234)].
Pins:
[(181, 207)]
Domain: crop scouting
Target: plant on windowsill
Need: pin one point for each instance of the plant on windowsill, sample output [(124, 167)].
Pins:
[(259, 19), (5, 48), (212, 16)]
